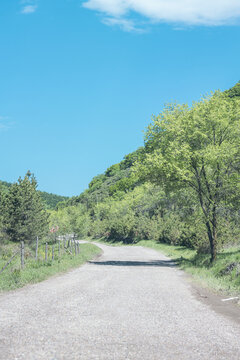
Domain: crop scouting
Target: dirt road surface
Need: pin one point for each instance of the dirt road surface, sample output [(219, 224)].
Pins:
[(131, 303)]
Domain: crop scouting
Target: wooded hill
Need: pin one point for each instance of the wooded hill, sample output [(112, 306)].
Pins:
[(50, 200), (182, 187)]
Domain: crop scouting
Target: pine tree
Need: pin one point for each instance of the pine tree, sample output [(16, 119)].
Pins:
[(24, 214)]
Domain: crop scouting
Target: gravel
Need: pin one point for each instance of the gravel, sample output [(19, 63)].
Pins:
[(131, 303)]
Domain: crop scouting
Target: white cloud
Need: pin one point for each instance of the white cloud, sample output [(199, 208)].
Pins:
[(187, 12), (29, 9), (125, 24)]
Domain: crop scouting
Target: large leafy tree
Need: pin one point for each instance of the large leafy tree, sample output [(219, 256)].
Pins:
[(198, 148), (24, 214)]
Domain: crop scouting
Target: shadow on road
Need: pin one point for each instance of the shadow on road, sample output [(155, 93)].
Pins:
[(157, 263)]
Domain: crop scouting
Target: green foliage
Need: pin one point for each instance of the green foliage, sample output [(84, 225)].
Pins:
[(123, 185), (112, 170), (199, 149), (49, 200), (116, 180), (4, 186), (181, 188), (97, 182), (71, 219), (234, 91), (24, 217), (131, 158)]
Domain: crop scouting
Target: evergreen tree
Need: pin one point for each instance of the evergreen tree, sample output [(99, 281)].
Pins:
[(24, 214)]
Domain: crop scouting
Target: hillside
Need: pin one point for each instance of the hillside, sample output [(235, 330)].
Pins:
[(117, 179), (50, 200), (173, 187), (234, 91)]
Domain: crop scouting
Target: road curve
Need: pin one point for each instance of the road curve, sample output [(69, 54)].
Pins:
[(131, 303)]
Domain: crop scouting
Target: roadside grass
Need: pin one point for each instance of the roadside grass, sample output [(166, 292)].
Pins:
[(35, 271), (223, 276)]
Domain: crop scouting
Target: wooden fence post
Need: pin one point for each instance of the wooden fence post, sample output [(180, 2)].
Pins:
[(78, 248), (75, 247), (9, 262), (46, 251), (36, 256), (22, 254)]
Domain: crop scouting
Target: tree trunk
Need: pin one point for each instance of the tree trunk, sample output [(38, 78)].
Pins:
[(212, 241)]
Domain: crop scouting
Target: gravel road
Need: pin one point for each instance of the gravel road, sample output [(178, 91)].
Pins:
[(131, 303)]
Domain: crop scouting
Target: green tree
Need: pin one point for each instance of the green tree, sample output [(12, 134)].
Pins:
[(234, 91), (198, 148), (24, 215)]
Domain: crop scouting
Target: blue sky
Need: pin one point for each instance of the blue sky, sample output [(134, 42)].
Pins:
[(79, 80)]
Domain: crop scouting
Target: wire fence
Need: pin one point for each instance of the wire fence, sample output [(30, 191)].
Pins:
[(50, 250)]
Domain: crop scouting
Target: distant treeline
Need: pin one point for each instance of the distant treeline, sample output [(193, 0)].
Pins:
[(50, 200), (182, 187)]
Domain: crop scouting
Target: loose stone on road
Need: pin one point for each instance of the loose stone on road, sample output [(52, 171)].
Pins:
[(131, 303)]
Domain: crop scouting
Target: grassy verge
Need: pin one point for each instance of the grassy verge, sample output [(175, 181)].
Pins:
[(222, 276), (34, 271)]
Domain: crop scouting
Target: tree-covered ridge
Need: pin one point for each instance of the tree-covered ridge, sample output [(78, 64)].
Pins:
[(50, 200), (182, 187), (118, 179), (234, 91), (114, 182)]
